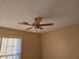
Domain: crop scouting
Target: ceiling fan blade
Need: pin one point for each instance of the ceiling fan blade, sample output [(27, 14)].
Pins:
[(48, 24), (38, 19), (29, 28), (25, 23)]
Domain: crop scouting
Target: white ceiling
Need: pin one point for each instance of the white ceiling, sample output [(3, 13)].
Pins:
[(61, 12)]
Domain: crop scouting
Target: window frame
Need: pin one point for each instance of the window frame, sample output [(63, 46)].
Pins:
[(8, 36)]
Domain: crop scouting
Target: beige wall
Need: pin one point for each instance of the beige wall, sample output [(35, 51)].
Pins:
[(30, 44), (61, 44)]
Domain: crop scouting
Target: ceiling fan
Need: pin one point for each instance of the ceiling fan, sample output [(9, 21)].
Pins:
[(36, 24)]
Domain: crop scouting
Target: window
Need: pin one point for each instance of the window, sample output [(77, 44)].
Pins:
[(10, 48)]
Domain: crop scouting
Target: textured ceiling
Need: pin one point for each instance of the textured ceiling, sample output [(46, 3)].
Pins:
[(61, 12)]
